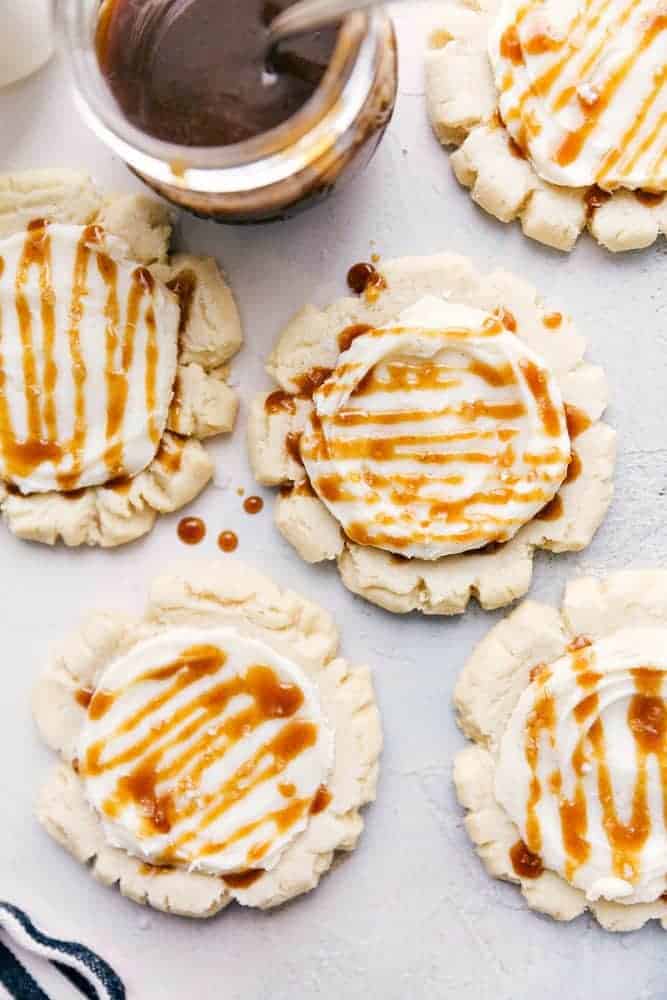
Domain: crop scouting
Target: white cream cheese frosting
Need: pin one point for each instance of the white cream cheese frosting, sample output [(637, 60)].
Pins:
[(582, 88), (437, 434), (583, 766), (88, 347), (204, 749)]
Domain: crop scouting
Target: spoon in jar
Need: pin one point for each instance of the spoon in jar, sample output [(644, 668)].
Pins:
[(311, 15)]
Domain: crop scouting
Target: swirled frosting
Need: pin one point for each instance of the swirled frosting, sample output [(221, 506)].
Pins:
[(582, 89), (204, 749), (436, 434), (583, 766)]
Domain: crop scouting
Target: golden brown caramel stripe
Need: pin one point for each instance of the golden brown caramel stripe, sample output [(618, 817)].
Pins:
[(69, 480), (468, 411), (151, 375), (142, 282), (542, 720), (538, 383), (108, 269)]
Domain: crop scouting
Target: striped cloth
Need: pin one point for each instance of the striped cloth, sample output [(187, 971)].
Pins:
[(34, 966)]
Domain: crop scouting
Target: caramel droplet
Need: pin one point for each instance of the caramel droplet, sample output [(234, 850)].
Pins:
[(524, 862), (227, 541), (253, 505), (191, 530)]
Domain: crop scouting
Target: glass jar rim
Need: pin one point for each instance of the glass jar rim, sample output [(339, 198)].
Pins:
[(284, 150)]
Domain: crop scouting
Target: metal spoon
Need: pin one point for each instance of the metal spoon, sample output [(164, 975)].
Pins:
[(310, 15)]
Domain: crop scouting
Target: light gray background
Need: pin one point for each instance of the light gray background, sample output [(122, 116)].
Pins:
[(410, 913)]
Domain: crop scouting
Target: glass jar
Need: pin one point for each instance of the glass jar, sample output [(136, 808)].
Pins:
[(271, 176)]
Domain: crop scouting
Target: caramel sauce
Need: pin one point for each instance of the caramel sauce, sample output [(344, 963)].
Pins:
[(524, 862), (154, 764), (365, 279), (497, 377), (205, 82), (253, 505), (170, 455), (538, 385), (184, 286), (595, 198), (117, 376), (540, 43), (542, 720), (578, 643), (243, 880), (152, 355), (515, 149), (321, 801), (553, 320), (83, 697), (350, 334), (574, 469), (280, 401), (191, 530), (293, 445), (310, 381), (228, 541), (552, 511), (510, 46), (287, 789), (151, 871), (650, 198), (577, 421), (100, 704)]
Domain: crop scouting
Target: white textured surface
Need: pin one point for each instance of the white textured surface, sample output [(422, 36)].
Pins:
[(410, 913)]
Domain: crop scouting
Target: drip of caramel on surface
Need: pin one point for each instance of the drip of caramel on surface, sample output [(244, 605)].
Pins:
[(228, 541), (524, 862), (191, 530), (253, 505)]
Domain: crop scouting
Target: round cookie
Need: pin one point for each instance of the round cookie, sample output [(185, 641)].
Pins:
[(564, 784), (208, 335), (264, 668), (464, 109), (309, 350)]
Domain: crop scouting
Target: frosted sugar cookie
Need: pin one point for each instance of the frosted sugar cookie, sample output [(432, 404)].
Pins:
[(431, 433), (565, 782), (112, 362), (217, 749), (558, 110)]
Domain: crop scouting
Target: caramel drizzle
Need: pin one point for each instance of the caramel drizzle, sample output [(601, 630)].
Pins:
[(41, 443), (118, 380), (647, 721), (189, 741), (631, 147), (434, 451)]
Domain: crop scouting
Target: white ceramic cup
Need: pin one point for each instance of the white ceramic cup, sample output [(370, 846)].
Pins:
[(26, 37)]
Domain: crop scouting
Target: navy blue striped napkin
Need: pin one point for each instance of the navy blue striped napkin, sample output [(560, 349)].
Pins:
[(28, 956)]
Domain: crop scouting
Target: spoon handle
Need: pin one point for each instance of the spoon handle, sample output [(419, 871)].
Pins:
[(310, 15)]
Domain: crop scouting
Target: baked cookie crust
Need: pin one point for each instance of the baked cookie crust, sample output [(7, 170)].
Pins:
[(462, 106), (203, 404), (209, 594), (489, 689), (496, 576)]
